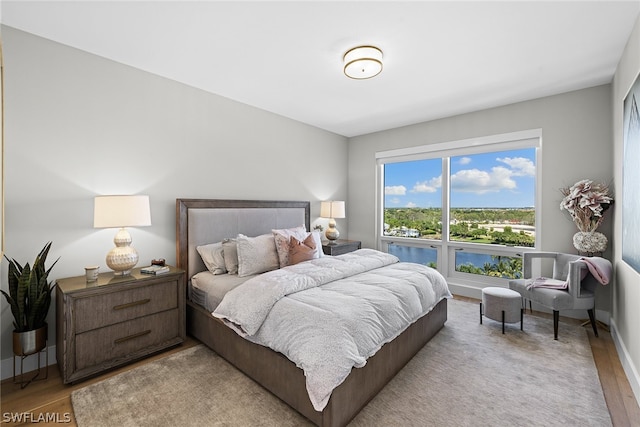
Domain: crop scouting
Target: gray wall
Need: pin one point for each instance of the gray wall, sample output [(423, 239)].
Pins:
[(626, 291), (78, 125)]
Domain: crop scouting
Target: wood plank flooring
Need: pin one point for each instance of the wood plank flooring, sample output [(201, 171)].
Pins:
[(51, 398)]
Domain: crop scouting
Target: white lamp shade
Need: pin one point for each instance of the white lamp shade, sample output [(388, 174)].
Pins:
[(332, 209), (121, 211), (362, 62)]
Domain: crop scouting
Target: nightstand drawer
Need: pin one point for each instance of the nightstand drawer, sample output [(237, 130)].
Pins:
[(107, 309), (116, 341)]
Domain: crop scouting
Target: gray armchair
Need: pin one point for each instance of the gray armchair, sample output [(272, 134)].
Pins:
[(579, 295)]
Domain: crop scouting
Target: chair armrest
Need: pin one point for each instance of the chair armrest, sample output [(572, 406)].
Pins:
[(577, 271), (530, 256)]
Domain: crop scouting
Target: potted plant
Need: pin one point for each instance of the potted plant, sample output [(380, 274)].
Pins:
[(30, 297), (586, 201)]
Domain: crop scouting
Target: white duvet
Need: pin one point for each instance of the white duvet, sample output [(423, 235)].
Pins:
[(331, 314)]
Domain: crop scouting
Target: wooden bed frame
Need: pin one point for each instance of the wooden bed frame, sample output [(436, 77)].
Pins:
[(268, 368)]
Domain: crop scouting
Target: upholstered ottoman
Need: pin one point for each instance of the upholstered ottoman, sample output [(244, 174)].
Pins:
[(502, 305)]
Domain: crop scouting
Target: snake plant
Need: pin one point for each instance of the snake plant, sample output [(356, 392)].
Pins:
[(29, 292)]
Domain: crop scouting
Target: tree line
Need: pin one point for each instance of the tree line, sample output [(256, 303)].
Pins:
[(465, 224)]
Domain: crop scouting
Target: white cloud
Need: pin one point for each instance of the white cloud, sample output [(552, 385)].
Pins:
[(481, 182), (520, 166), (410, 205), (430, 186), (395, 190), (464, 160)]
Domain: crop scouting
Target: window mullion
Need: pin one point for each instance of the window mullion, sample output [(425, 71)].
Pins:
[(444, 261)]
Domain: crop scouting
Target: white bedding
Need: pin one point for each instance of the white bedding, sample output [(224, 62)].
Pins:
[(208, 289), (331, 314)]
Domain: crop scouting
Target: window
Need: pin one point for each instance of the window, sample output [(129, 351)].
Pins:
[(467, 207)]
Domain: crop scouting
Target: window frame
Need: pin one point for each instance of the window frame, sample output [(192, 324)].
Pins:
[(446, 248)]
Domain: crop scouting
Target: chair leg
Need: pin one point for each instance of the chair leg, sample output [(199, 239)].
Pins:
[(592, 317), (556, 319), (521, 318)]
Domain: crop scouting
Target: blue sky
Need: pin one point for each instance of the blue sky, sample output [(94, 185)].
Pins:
[(497, 180)]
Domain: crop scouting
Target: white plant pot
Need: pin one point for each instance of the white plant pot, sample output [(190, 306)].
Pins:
[(590, 243)]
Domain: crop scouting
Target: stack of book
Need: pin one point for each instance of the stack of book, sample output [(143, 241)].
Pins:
[(155, 269)]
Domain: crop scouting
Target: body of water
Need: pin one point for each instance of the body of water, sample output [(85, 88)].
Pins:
[(428, 255)]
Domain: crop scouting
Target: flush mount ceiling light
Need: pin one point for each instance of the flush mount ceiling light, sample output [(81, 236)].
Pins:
[(362, 62)]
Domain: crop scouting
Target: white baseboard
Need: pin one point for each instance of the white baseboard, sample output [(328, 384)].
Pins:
[(627, 364), (30, 363), (465, 290)]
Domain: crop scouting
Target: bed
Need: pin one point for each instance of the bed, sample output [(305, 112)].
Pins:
[(203, 221)]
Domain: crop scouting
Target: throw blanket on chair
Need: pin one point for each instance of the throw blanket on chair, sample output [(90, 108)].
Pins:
[(545, 282), (599, 268)]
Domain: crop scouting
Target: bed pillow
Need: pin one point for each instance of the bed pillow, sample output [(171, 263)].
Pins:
[(213, 257), (256, 254), (301, 251), (230, 250), (317, 237), (282, 238)]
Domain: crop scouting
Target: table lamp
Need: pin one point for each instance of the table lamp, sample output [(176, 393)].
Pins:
[(332, 209), (121, 212)]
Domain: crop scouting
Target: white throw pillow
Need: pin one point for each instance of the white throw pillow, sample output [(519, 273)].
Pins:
[(317, 237), (256, 254), (213, 257)]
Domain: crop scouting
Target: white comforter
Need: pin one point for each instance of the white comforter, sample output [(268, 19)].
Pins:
[(330, 314)]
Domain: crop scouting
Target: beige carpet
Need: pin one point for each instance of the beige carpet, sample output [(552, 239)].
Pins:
[(468, 375)]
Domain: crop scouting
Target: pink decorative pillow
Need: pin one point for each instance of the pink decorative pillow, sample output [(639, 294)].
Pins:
[(301, 251), (282, 237)]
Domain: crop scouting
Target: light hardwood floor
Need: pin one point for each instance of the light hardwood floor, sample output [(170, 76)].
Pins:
[(43, 398)]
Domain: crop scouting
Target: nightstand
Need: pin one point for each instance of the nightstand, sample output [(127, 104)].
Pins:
[(116, 320), (340, 247)]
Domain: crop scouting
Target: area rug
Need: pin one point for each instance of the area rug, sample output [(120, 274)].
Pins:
[(467, 375)]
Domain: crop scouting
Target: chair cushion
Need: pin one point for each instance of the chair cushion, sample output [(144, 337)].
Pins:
[(554, 299)]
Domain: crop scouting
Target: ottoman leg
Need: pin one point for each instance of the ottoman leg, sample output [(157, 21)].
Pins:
[(502, 322), (481, 313)]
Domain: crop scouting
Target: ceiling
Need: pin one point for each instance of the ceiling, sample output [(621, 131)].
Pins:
[(440, 58)]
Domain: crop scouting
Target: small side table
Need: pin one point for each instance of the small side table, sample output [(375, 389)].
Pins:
[(340, 246)]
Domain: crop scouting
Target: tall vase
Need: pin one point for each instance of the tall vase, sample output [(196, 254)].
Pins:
[(590, 243)]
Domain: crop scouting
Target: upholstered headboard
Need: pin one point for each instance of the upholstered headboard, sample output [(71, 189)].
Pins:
[(204, 221)]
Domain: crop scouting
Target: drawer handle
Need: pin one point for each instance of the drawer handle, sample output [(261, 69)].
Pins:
[(131, 304), (130, 337)]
